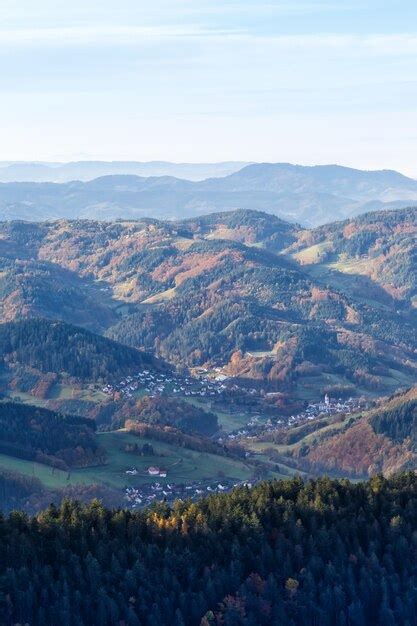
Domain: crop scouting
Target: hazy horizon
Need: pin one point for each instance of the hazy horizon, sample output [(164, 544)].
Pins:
[(305, 82), (239, 162)]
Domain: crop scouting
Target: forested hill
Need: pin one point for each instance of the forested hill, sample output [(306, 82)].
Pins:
[(380, 246), (286, 552), (60, 348), (254, 228), (383, 439), (37, 434), (238, 290)]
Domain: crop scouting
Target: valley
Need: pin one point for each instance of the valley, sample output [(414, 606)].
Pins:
[(204, 349), (208, 313)]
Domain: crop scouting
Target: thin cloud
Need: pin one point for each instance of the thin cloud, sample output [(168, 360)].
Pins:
[(103, 34), (374, 44), (381, 44), (281, 8)]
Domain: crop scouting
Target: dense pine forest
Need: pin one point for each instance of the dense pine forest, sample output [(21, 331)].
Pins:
[(62, 348), (35, 433), (286, 552)]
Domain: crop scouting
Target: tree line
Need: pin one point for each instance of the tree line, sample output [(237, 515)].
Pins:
[(287, 552)]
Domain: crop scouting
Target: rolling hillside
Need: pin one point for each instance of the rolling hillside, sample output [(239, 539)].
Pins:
[(382, 439), (282, 313), (252, 228), (219, 291), (380, 247)]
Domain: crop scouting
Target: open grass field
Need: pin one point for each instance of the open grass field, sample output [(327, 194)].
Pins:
[(231, 421), (88, 393), (261, 353), (62, 391), (313, 254), (350, 266), (49, 477), (182, 465), (182, 243), (27, 398), (311, 388), (161, 297), (286, 470)]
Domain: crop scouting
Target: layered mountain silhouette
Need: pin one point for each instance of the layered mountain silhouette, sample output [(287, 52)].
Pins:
[(307, 195), (24, 171)]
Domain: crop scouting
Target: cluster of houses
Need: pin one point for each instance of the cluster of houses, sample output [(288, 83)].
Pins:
[(145, 494), (327, 406), (158, 383)]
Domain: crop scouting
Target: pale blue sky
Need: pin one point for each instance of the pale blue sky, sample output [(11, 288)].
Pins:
[(203, 80)]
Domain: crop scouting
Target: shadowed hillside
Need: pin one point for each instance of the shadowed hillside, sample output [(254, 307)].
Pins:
[(63, 441)]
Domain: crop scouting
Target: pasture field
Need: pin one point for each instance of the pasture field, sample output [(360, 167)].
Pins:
[(182, 465), (314, 253)]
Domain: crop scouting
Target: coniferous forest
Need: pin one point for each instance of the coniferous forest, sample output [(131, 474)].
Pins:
[(288, 552)]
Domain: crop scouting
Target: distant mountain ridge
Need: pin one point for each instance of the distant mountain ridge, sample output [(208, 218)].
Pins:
[(26, 171), (307, 195)]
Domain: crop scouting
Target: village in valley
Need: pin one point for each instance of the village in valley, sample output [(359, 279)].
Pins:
[(146, 493), (164, 489), (212, 387)]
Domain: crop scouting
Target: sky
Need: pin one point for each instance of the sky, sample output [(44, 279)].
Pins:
[(299, 81)]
